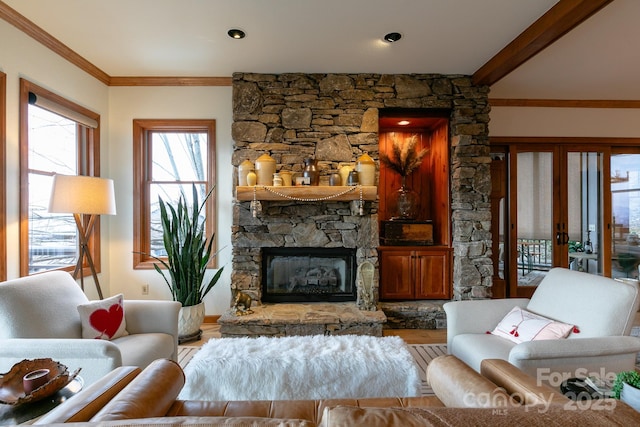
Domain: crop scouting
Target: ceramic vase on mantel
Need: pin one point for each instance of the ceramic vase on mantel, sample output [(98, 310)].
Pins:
[(311, 171), (366, 168), (344, 174), (406, 202), (189, 321), (265, 168), (243, 170)]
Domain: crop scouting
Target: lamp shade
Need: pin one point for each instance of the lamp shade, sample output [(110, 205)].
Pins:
[(82, 195)]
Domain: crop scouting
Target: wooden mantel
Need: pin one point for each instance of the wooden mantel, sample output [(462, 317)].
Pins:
[(307, 193)]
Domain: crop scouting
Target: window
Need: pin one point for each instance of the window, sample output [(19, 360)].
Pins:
[(57, 136), (625, 211), (169, 157), (3, 188)]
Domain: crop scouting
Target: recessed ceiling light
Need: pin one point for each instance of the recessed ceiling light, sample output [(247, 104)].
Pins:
[(235, 33), (404, 122), (392, 37)]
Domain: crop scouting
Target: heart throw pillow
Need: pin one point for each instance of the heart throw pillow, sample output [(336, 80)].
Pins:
[(103, 319)]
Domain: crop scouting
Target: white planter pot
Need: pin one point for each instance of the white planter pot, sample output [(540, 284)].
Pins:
[(190, 320), (631, 396)]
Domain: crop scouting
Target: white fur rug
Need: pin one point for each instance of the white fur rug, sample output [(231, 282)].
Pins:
[(305, 367)]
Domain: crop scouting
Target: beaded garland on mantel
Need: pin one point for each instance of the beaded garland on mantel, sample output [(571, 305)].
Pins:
[(256, 206)]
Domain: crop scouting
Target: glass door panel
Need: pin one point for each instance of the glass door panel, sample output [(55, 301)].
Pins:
[(499, 229), (534, 222), (625, 209), (573, 205), (584, 211)]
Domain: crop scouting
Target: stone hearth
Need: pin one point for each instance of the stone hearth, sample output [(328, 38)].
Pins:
[(424, 314), (286, 319)]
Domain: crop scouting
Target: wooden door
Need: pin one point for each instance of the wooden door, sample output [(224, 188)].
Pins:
[(556, 205)]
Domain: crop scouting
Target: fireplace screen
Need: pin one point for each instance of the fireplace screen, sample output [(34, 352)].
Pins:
[(308, 274)]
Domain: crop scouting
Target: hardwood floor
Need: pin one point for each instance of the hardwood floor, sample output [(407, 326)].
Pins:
[(419, 336), (411, 336)]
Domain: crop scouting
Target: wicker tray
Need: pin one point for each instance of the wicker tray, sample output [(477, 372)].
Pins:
[(11, 388)]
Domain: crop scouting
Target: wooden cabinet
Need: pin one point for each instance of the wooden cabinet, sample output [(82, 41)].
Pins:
[(415, 272)]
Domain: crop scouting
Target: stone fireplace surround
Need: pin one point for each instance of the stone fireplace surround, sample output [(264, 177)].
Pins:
[(334, 119)]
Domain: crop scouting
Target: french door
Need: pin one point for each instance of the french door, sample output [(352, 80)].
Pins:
[(553, 214)]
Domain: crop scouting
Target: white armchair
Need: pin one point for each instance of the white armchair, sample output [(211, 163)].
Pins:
[(601, 308), (39, 318)]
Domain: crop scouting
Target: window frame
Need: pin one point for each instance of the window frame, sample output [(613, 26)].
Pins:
[(142, 164), (3, 173), (88, 163)]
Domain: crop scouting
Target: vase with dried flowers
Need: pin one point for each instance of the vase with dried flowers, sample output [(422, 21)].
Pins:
[(404, 159)]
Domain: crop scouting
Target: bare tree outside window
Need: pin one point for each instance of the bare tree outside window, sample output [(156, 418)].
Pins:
[(169, 157), (53, 240), (58, 137), (178, 161)]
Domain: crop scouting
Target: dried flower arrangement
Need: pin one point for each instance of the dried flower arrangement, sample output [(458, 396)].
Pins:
[(404, 157)]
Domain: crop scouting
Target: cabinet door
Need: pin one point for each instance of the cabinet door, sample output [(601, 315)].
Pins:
[(396, 278), (432, 274)]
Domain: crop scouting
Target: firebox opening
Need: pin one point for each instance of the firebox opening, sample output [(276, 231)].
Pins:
[(308, 274)]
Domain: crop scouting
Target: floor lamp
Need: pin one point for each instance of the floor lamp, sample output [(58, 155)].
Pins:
[(83, 195)]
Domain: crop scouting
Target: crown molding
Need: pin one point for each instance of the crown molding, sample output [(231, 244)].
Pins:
[(170, 81), (564, 103), (594, 140)]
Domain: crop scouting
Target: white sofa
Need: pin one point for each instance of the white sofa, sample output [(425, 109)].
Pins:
[(603, 310), (39, 318)]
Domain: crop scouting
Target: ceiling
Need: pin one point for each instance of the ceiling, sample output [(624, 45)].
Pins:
[(599, 59)]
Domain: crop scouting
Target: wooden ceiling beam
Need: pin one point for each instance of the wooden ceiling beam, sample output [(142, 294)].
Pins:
[(556, 22)]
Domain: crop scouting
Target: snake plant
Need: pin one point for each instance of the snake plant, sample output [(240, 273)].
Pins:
[(188, 250)]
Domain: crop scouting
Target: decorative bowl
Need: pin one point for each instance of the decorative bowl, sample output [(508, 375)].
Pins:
[(12, 390)]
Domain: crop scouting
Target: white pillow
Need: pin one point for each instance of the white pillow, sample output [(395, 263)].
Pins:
[(521, 326), (104, 319)]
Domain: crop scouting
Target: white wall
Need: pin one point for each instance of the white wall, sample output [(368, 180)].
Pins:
[(21, 57), (127, 104)]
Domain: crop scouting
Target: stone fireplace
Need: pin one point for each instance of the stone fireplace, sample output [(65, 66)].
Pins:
[(308, 274), (334, 119)]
